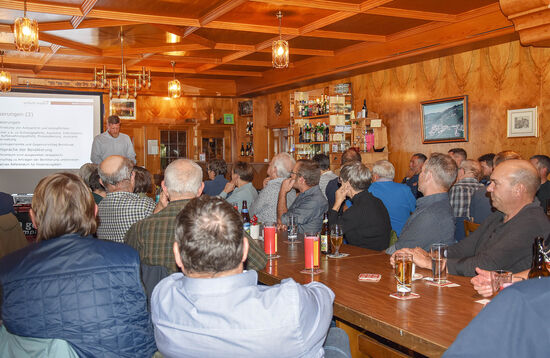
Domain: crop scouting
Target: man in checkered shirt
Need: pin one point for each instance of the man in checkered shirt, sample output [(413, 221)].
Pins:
[(121, 207), (460, 194)]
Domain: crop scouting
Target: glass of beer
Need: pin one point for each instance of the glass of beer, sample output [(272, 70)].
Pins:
[(403, 273), (336, 237), (438, 252), (500, 279)]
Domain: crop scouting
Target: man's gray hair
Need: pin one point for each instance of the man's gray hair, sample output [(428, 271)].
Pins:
[(384, 169), (357, 174), (443, 169), (284, 163), (183, 176), (86, 170), (124, 172)]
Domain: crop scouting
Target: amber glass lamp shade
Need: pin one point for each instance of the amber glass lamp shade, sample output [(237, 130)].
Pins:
[(174, 89), (5, 81), (280, 54), (25, 32)]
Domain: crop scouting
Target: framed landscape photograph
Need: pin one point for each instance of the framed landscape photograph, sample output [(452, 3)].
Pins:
[(445, 120), (523, 122), (123, 108)]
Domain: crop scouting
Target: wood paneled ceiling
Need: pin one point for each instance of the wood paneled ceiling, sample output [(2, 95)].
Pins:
[(229, 41)]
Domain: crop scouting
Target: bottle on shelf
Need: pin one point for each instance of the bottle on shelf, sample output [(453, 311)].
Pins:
[(247, 150), (538, 267), (325, 235), (364, 109), (242, 149), (301, 136), (245, 216)]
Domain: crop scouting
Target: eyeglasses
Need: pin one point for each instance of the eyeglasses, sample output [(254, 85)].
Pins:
[(296, 173)]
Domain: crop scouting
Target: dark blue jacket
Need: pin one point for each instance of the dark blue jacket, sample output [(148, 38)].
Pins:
[(215, 187), (79, 289)]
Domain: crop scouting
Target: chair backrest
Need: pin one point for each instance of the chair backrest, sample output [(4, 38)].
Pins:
[(470, 226)]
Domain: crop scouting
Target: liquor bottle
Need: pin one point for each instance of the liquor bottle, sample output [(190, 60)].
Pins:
[(364, 109), (301, 136), (538, 267), (247, 150), (326, 134), (246, 217), (325, 235), (242, 149)]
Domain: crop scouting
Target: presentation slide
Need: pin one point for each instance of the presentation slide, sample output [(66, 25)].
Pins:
[(41, 133)]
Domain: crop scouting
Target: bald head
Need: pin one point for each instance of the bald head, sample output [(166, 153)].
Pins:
[(183, 177), (523, 173), (116, 171)]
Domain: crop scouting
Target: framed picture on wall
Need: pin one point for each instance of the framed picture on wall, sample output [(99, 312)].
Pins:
[(445, 120), (245, 108), (124, 108), (523, 122)]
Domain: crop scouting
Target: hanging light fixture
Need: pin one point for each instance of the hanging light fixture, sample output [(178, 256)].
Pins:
[(25, 32), (174, 86), (121, 81), (280, 48), (5, 77)]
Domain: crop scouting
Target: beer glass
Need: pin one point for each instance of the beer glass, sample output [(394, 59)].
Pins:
[(336, 237), (500, 279), (438, 252), (403, 273)]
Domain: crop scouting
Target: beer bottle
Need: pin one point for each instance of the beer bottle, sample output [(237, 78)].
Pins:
[(538, 267), (325, 235), (246, 217), (242, 149)]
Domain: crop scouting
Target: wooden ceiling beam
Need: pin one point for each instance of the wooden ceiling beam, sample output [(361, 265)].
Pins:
[(181, 31), (371, 4), (236, 26), (85, 8), (69, 43), (43, 7), (316, 4), (347, 36), (306, 52), (233, 73), (412, 14), (154, 49), (46, 57), (325, 21), (146, 18), (85, 24), (220, 10)]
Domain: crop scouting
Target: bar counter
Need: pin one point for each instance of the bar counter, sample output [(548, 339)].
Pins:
[(427, 325)]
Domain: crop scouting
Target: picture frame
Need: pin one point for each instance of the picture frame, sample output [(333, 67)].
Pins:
[(523, 122), (246, 108), (123, 108), (228, 118), (445, 120)]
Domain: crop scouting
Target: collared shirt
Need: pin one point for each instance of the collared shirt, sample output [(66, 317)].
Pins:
[(120, 210), (460, 196), (308, 208), (432, 222), (323, 181), (412, 182), (232, 316), (153, 237), (398, 199), (499, 245), (246, 192), (105, 145), (265, 205), (214, 187)]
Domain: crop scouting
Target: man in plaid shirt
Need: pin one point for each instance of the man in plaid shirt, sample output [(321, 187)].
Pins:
[(460, 194), (153, 237), (121, 207)]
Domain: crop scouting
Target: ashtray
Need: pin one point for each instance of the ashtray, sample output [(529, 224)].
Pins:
[(379, 149)]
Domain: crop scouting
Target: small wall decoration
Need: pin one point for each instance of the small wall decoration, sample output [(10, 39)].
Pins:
[(228, 118), (445, 120), (124, 108), (245, 108), (278, 108), (523, 122)]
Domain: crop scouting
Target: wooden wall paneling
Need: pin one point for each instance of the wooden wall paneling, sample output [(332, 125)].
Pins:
[(261, 152)]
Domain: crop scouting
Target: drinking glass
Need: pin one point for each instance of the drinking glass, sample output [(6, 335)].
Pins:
[(270, 240), (336, 237), (500, 279), (438, 253), (403, 273), (292, 229)]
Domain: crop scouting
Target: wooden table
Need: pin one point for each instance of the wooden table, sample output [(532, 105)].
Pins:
[(427, 325)]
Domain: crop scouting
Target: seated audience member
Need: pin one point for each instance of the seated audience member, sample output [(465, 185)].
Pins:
[(216, 309), (86, 170), (504, 240), (240, 187), (480, 204), (542, 164), (323, 161), (483, 285), (71, 286), (12, 237), (415, 167), (397, 198), (461, 193), (486, 162), (348, 156), (98, 191), (458, 154), (514, 324), (143, 182), (310, 205), (265, 205), (121, 207), (216, 170), (433, 219), (367, 223)]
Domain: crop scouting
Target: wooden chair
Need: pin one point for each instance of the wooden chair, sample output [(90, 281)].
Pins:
[(470, 226)]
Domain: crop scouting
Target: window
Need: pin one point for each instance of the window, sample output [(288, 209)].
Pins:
[(173, 145)]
